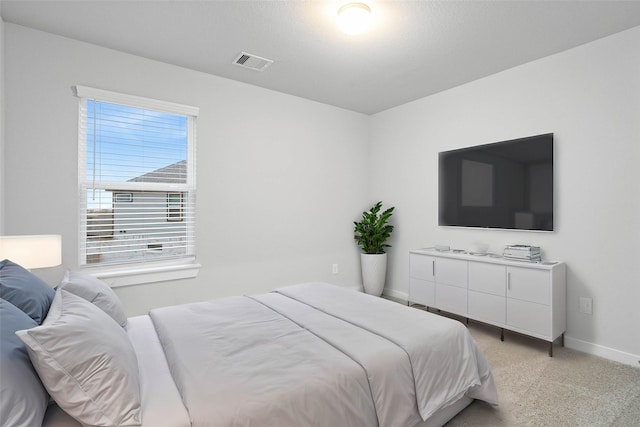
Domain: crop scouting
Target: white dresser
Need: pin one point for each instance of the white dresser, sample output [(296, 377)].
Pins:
[(529, 298)]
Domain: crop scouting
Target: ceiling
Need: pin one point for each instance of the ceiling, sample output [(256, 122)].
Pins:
[(412, 49)]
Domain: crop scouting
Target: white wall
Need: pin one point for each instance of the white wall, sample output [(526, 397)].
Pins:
[(589, 97), (1, 126), (280, 179)]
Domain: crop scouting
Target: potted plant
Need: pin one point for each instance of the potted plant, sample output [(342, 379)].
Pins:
[(371, 234)]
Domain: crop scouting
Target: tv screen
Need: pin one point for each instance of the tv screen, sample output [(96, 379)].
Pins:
[(506, 185)]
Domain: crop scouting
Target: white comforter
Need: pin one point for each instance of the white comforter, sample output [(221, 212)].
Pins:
[(317, 355), (445, 360)]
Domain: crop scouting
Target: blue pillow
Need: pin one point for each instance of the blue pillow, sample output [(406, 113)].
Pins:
[(25, 290), (23, 398)]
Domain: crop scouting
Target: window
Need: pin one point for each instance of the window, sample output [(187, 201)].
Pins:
[(137, 179), (122, 197), (174, 207)]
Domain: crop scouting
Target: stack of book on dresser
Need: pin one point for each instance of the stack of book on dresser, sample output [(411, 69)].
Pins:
[(522, 253)]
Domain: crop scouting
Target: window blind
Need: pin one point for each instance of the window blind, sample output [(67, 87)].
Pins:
[(137, 179)]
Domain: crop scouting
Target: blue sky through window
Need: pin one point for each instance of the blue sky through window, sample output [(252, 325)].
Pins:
[(126, 143)]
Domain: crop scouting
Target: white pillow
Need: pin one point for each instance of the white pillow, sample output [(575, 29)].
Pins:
[(95, 291), (86, 362)]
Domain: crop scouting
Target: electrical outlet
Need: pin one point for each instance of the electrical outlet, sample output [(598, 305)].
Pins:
[(334, 268), (586, 305)]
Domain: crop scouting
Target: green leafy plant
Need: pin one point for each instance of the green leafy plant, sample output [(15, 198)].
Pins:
[(373, 231)]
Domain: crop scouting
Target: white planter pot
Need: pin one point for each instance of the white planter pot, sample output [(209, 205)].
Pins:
[(374, 272)]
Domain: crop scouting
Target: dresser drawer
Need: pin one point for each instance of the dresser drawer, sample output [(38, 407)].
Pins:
[(421, 267), (487, 308), (529, 317), (487, 278), (421, 291), (451, 298), (528, 284), (451, 272)]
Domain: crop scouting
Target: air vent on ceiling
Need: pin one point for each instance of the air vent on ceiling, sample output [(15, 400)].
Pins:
[(254, 62)]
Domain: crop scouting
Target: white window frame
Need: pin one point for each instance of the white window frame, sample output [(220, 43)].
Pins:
[(140, 271)]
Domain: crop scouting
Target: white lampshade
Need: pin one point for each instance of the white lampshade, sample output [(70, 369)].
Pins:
[(353, 18), (32, 251)]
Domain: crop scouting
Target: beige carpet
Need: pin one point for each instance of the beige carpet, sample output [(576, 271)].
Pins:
[(570, 389)]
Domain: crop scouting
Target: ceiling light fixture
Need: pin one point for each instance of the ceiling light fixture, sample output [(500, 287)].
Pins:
[(353, 18)]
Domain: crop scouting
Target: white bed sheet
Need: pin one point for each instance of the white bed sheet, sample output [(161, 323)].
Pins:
[(161, 402)]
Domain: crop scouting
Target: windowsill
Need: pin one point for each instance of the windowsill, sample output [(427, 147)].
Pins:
[(131, 275)]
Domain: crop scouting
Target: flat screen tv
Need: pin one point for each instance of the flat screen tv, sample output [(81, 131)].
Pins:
[(504, 185)]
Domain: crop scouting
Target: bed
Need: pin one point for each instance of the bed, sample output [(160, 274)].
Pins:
[(312, 354)]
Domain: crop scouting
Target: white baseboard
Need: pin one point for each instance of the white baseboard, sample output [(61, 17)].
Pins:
[(602, 351), (395, 294), (569, 342)]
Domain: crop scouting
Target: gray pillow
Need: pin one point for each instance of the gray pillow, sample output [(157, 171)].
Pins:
[(95, 291), (23, 399), (86, 362), (25, 290)]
